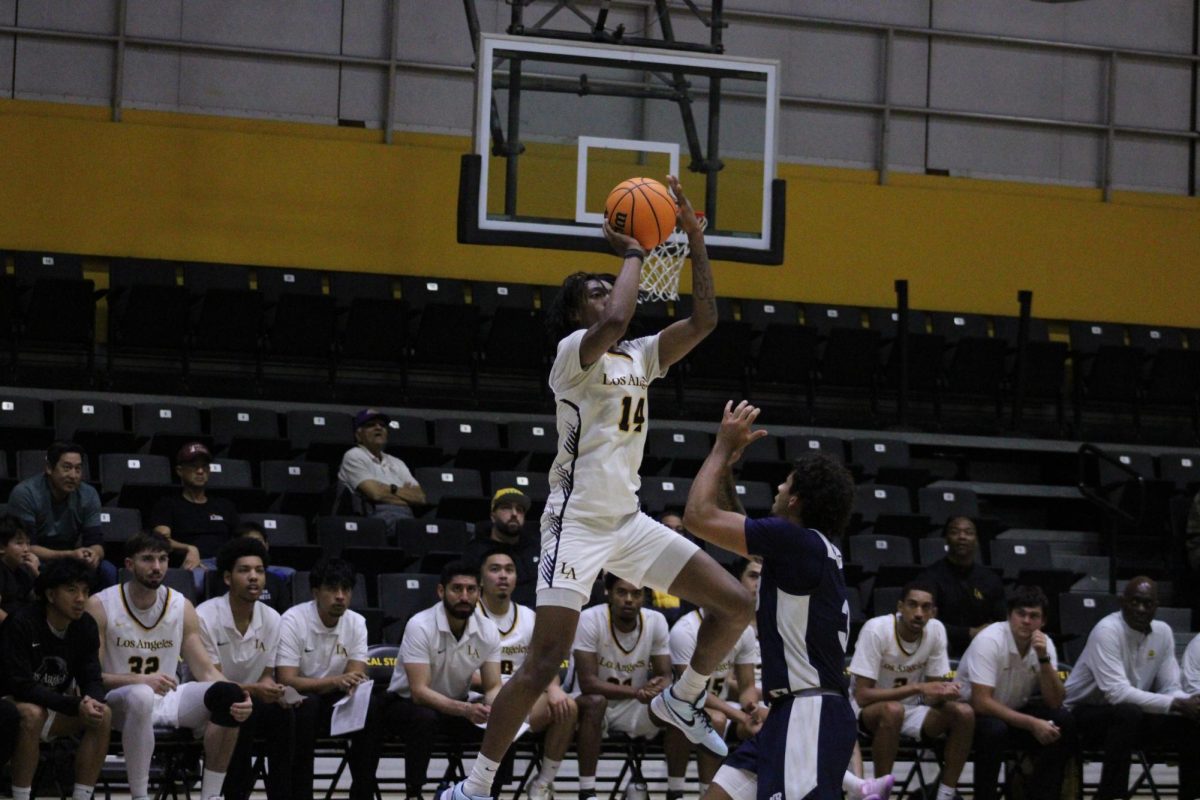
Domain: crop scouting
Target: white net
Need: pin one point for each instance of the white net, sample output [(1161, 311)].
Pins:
[(663, 265)]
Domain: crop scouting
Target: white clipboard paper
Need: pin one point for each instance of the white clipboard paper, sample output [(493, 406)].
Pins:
[(350, 713)]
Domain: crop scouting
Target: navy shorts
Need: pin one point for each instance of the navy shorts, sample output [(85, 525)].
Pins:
[(803, 749)]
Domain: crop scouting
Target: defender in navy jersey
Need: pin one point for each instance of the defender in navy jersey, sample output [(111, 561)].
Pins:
[(803, 621)]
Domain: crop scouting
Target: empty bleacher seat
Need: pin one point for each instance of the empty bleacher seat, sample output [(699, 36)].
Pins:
[(454, 493), (870, 552), (401, 596), (659, 494), (119, 469), (941, 505), (798, 445), (1013, 556), (336, 533)]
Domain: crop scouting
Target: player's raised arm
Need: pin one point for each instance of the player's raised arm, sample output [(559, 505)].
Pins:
[(607, 311), (704, 515), (678, 339)]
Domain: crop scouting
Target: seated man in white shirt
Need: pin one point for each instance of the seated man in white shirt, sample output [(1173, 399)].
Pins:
[(1191, 666), (1125, 693), (554, 712), (899, 674), (621, 660), (241, 636), (1003, 666), (380, 484), (743, 712), (430, 691), (323, 654)]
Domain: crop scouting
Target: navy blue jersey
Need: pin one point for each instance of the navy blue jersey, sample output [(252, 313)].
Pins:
[(803, 614)]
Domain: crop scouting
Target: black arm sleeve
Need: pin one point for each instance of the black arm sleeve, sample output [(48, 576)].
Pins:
[(19, 667), (86, 666)]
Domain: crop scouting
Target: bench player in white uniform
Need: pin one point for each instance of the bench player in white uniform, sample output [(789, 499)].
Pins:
[(592, 522), (555, 711), (899, 669), (737, 668), (241, 635), (620, 663), (144, 630)]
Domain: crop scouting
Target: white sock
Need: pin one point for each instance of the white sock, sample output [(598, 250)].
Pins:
[(479, 782), (211, 783), (587, 783), (82, 792), (945, 792), (21, 792), (702, 787), (691, 685), (853, 784), (676, 784), (547, 772)]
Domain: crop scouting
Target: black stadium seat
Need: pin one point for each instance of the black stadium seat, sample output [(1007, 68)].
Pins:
[(280, 529)]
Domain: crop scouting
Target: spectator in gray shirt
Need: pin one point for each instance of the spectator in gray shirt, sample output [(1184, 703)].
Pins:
[(62, 513), (381, 485)]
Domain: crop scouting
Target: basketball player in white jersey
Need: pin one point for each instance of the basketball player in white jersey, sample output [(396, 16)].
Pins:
[(145, 628), (900, 689), (621, 662), (555, 711), (736, 668), (592, 522)]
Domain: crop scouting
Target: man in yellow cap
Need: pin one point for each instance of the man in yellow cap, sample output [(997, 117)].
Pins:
[(509, 507)]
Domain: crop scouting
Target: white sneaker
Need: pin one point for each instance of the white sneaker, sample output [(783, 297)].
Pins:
[(690, 718), (539, 791), (878, 788), (456, 792)]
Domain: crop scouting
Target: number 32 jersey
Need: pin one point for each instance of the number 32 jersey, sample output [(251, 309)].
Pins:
[(603, 415), (142, 642)]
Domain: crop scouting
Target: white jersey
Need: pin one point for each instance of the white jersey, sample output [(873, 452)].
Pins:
[(142, 642), (623, 658), (516, 631), (242, 657), (683, 645), (603, 416), (881, 655)]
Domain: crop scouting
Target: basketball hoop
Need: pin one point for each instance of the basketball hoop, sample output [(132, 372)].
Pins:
[(663, 266)]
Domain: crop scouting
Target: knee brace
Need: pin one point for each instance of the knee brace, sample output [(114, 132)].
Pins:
[(219, 697)]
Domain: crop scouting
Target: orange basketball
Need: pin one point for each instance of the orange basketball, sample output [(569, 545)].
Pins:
[(641, 208)]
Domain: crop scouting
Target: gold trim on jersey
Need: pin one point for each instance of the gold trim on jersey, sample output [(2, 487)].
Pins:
[(641, 627), (134, 617), (625, 356), (511, 628), (900, 642)]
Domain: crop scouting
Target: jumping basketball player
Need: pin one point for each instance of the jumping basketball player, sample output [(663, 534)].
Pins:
[(144, 629), (600, 383), (803, 621)]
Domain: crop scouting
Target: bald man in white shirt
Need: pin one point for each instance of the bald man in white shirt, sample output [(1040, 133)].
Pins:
[(1125, 693)]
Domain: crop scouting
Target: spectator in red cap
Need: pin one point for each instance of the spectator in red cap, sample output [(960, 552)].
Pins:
[(380, 484), (195, 523)]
